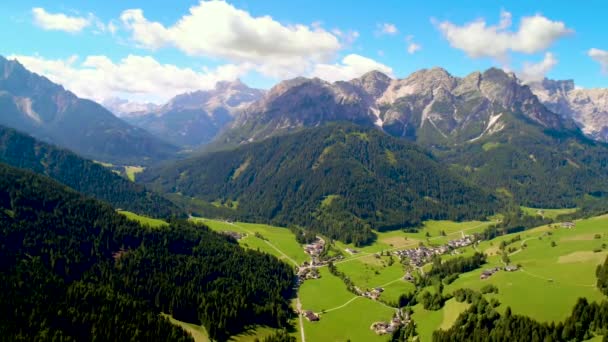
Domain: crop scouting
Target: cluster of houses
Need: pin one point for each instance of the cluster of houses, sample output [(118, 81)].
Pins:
[(466, 240), (490, 271), (315, 248), (382, 328), (372, 294), (421, 255), (305, 273), (234, 235)]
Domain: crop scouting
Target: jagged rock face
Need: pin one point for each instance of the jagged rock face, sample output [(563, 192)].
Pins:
[(34, 105), (430, 106), (195, 118), (587, 107), (300, 103)]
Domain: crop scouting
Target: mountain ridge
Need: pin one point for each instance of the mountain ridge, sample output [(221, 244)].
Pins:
[(33, 104)]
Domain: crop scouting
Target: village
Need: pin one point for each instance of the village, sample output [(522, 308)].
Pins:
[(422, 255)]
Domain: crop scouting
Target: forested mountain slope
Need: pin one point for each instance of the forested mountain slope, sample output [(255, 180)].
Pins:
[(341, 180), (72, 269), (83, 175)]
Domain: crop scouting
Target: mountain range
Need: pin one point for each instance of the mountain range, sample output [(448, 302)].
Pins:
[(33, 104), (193, 119)]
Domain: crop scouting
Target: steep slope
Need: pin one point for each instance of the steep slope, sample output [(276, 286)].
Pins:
[(35, 105), (533, 166), (588, 107), (85, 176), (341, 180), (435, 108), (195, 118), (72, 269)]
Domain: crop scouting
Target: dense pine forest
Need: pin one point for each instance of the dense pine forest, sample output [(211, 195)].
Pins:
[(83, 175), (482, 322), (534, 166), (72, 269), (340, 180)]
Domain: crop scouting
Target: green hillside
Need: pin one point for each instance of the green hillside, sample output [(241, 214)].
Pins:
[(82, 175), (340, 180), (72, 269)]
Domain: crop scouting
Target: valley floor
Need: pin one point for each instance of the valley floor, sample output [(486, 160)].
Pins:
[(557, 266)]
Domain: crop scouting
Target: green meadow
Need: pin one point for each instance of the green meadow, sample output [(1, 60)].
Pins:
[(548, 213), (280, 242), (558, 267), (152, 222), (132, 171)]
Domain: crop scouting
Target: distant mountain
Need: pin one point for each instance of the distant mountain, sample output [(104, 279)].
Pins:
[(33, 104), (588, 107), (82, 175), (340, 180), (302, 102), (195, 118), (125, 108)]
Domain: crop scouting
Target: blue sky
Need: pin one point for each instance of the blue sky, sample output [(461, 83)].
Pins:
[(150, 51)]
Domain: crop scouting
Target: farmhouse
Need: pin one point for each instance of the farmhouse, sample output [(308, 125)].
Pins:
[(382, 328), (511, 268), (568, 225), (234, 235), (462, 242), (315, 248), (489, 272), (311, 316), (351, 251)]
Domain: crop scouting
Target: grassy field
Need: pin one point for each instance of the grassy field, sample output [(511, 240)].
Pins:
[(349, 323), (548, 213), (198, 332), (428, 321), (552, 278), (280, 242), (132, 171), (152, 222)]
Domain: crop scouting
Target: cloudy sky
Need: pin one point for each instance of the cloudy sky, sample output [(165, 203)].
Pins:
[(150, 51)]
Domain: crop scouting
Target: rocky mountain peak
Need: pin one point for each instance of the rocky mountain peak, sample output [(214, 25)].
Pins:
[(373, 83), (587, 107)]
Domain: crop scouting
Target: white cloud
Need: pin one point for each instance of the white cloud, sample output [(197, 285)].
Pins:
[(387, 28), (600, 56), (218, 29), (59, 21), (477, 39), (139, 78), (352, 66), (535, 72), (412, 47)]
